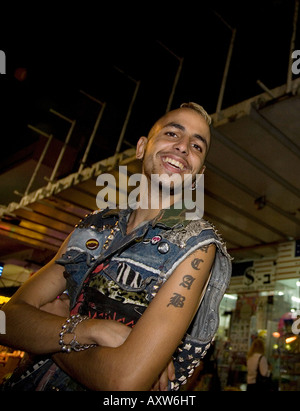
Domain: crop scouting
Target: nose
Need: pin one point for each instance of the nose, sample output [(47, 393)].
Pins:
[(182, 145)]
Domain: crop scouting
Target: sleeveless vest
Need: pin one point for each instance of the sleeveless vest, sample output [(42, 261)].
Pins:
[(139, 263)]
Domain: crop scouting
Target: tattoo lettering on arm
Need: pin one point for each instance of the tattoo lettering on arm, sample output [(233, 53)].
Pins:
[(187, 281), (204, 248), (177, 300), (195, 263)]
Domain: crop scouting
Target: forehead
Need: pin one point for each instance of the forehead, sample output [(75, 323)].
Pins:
[(191, 120)]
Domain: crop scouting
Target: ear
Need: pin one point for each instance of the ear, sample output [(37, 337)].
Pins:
[(141, 147)]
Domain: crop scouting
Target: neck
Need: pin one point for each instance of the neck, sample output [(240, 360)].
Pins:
[(150, 203), (139, 216)]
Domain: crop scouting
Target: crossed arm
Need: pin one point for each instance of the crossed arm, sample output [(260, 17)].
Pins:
[(123, 359)]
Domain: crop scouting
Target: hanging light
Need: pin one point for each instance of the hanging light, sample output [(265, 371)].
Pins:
[(290, 339)]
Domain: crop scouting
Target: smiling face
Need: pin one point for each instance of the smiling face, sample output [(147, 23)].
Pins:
[(177, 144)]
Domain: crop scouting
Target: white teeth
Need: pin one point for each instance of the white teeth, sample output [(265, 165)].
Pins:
[(173, 162)]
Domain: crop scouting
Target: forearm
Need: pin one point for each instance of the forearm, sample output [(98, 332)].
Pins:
[(135, 365), (82, 366), (38, 330), (105, 369), (30, 329), (93, 367), (28, 326)]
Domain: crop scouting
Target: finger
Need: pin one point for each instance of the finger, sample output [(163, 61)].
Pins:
[(171, 371), (163, 380), (155, 386)]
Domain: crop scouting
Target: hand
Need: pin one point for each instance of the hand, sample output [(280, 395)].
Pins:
[(167, 375), (108, 333)]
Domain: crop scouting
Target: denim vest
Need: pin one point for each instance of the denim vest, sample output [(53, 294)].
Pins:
[(151, 253)]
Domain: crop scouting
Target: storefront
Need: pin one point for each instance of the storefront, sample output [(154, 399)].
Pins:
[(263, 300)]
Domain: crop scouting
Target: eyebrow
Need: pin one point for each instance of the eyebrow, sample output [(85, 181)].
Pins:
[(182, 128)]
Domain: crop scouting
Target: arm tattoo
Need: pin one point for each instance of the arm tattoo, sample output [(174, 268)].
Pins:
[(204, 248), (177, 300), (195, 263), (187, 281)]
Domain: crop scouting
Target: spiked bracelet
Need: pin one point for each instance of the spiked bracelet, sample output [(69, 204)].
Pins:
[(69, 328)]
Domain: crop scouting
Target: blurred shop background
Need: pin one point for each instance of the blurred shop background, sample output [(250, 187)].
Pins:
[(78, 90)]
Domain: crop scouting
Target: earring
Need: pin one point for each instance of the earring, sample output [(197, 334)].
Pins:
[(193, 186), (195, 183)]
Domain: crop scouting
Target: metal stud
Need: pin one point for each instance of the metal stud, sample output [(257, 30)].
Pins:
[(163, 247)]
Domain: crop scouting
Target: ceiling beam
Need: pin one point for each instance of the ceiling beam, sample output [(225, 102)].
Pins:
[(245, 214), (260, 119), (254, 161), (247, 190)]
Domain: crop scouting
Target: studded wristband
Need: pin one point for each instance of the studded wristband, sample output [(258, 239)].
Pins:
[(69, 328)]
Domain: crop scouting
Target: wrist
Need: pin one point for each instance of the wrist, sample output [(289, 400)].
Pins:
[(70, 338), (93, 331)]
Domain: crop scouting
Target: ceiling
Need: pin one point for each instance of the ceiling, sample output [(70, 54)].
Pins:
[(252, 184)]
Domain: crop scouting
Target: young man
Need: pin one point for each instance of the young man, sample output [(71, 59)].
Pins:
[(144, 284)]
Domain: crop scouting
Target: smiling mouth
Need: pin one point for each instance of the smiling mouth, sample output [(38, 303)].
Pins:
[(174, 163)]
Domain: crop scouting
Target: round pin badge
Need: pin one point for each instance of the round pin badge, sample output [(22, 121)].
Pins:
[(163, 247), (146, 241), (92, 244), (156, 239)]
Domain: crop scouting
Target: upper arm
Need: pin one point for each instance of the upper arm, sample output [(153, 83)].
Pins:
[(263, 366), (45, 285), (160, 329)]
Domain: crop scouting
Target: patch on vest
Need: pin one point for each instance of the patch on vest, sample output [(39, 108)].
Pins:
[(180, 236), (127, 276), (111, 289)]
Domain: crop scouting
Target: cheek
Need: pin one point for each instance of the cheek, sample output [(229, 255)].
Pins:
[(151, 154), (148, 163), (197, 164)]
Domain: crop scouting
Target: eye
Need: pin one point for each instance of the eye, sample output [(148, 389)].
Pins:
[(171, 134), (197, 147)]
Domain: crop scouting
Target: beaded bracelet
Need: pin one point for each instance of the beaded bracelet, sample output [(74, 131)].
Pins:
[(68, 328)]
